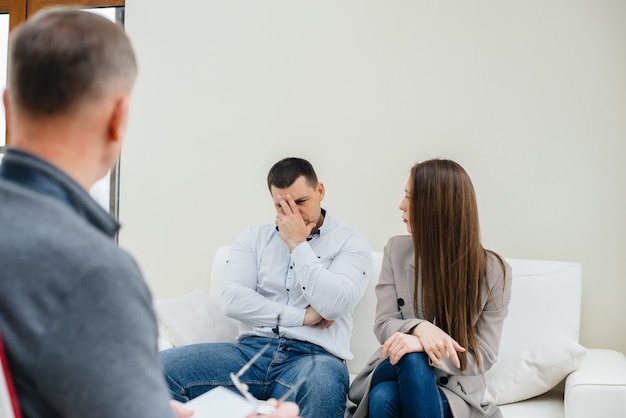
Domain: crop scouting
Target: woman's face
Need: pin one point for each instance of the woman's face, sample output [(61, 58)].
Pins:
[(405, 205)]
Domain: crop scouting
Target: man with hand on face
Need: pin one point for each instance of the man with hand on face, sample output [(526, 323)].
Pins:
[(293, 285)]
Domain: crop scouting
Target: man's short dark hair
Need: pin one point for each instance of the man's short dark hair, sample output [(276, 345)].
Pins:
[(64, 57), (285, 172)]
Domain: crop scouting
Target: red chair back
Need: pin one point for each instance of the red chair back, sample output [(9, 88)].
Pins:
[(9, 406)]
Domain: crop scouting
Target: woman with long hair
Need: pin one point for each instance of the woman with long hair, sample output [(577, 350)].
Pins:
[(441, 302)]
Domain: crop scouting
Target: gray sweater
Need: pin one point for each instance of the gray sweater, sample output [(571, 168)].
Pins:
[(75, 313)]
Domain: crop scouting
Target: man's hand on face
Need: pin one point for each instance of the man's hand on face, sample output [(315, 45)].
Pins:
[(293, 229)]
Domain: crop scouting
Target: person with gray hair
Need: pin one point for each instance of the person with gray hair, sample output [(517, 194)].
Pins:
[(76, 315)]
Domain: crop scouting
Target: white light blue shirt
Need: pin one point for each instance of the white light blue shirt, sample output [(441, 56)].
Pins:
[(263, 281)]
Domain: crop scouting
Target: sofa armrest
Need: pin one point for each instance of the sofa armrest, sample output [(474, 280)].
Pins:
[(598, 387)]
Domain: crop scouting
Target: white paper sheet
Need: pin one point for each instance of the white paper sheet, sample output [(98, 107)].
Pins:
[(220, 403)]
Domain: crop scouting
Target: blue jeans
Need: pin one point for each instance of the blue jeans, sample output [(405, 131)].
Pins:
[(194, 369), (408, 389)]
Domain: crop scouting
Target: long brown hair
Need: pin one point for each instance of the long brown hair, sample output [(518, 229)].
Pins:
[(448, 253)]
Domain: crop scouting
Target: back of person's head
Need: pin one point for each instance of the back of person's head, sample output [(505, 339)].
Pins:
[(286, 171), (63, 57)]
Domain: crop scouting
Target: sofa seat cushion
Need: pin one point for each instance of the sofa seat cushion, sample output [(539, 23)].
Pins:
[(192, 318), (548, 405)]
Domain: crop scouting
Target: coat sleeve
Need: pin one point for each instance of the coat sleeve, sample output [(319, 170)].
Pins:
[(389, 317)]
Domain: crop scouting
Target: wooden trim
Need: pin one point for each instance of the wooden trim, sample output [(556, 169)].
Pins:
[(4, 371), (36, 5), (6, 5), (16, 10), (17, 14)]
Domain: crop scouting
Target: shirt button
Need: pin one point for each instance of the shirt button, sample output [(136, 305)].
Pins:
[(443, 380)]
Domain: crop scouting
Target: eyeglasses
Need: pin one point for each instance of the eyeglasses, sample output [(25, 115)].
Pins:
[(263, 408), (259, 407)]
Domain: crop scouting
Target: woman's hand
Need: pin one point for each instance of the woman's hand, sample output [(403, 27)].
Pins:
[(283, 410), (437, 344), (179, 409), (400, 344)]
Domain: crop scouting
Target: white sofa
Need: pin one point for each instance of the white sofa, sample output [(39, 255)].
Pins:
[(542, 371)]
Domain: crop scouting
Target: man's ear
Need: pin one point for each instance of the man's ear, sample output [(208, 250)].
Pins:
[(7, 110), (119, 118), (321, 190)]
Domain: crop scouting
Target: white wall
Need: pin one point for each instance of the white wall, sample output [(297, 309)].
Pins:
[(529, 96)]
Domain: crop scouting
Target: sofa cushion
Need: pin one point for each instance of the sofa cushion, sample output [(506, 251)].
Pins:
[(534, 369), (194, 318), (545, 299)]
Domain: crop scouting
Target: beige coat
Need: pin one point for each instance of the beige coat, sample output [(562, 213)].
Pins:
[(394, 313)]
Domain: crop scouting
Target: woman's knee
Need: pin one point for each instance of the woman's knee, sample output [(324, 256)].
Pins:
[(417, 362), (384, 399)]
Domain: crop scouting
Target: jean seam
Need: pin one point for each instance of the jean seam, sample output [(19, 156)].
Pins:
[(206, 383)]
